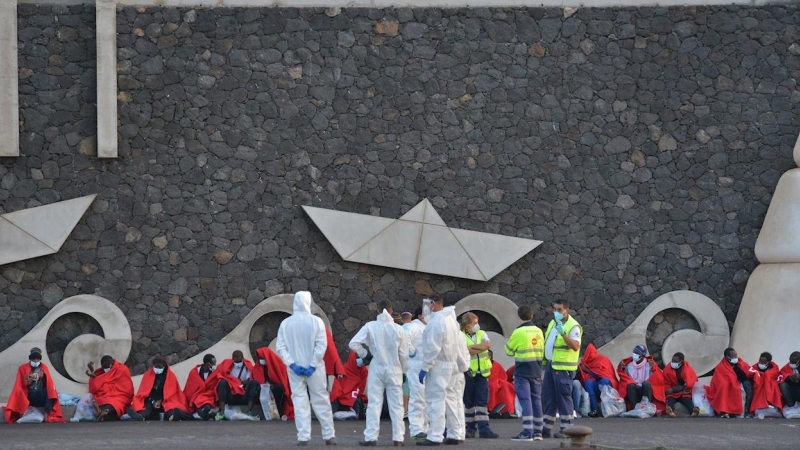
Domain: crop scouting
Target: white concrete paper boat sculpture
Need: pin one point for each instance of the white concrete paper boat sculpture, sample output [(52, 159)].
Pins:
[(419, 241), (39, 231)]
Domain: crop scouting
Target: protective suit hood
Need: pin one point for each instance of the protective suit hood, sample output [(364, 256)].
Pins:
[(385, 317), (449, 311), (302, 302)]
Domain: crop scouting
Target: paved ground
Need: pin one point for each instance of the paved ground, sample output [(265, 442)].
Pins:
[(657, 433)]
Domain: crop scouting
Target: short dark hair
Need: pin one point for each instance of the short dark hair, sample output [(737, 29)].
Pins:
[(794, 355), (728, 352), (107, 359), (525, 312), (417, 311), (237, 353), (208, 358), (384, 304), (562, 302), (767, 356), (679, 355), (436, 298)]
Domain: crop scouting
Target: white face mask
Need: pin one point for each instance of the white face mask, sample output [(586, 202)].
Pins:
[(793, 366), (426, 311), (762, 366), (263, 362), (35, 363), (158, 371), (106, 369), (214, 367), (637, 357), (734, 360), (675, 365), (476, 328), (238, 365)]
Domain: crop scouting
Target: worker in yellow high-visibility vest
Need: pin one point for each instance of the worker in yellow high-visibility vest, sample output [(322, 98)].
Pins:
[(526, 345), (476, 389), (562, 347)]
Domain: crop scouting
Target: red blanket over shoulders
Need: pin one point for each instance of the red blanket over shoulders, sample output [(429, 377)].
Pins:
[(194, 384), (208, 395), (724, 393), (599, 364), (333, 364), (510, 374), (500, 390), (765, 388), (199, 392), (656, 381), (174, 398), (786, 372), (352, 385), (276, 370), (687, 374), (18, 400), (114, 387)]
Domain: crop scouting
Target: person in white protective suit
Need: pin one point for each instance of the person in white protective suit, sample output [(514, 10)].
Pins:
[(388, 349), (301, 344), (445, 359), (417, 418)]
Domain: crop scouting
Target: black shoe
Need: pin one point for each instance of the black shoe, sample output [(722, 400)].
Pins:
[(135, 416), (368, 443), (489, 435), (427, 443), (595, 413), (331, 441), (302, 443), (398, 443), (470, 434), (449, 441)]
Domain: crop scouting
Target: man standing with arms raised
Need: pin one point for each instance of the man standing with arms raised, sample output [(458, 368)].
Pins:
[(562, 353), (388, 345)]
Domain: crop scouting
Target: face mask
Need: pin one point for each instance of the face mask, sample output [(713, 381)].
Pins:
[(675, 365), (359, 362), (106, 369), (476, 328), (158, 371), (558, 316), (35, 363), (734, 360), (793, 366), (263, 362), (762, 366), (213, 368), (426, 311), (637, 357), (238, 365)]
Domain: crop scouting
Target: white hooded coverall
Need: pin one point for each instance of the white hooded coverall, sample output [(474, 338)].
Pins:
[(417, 418), (388, 344), (445, 358), (302, 341)]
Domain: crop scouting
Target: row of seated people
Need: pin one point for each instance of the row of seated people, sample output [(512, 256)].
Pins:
[(764, 384)]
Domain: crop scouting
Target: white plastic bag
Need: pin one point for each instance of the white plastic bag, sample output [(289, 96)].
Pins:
[(792, 412), (744, 398), (345, 415), (66, 399), (770, 412), (586, 406), (268, 404), (610, 402), (642, 410), (235, 413), (700, 401), (84, 410), (32, 415)]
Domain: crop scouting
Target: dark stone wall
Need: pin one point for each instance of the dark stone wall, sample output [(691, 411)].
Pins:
[(641, 145)]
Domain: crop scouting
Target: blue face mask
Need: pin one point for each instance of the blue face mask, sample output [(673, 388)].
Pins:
[(762, 366), (793, 366), (675, 365), (558, 316), (158, 371)]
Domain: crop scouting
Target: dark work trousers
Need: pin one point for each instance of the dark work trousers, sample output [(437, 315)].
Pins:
[(529, 392), (790, 392), (557, 398), (111, 413), (685, 401), (476, 404), (636, 393), (251, 392)]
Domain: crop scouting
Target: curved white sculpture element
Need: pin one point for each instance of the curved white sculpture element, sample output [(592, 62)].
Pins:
[(39, 231), (778, 240), (84, 348), (420, 241), (503, 310), (703, 349)]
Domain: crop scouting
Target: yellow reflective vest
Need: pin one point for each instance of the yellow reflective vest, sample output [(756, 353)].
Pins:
[(564, 358), (526, 345), (479, 364)]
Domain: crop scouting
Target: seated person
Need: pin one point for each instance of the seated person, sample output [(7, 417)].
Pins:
[(200, 386), (272, 370), (112, 388), (596, 370), (349, 391), (236, 384), (679, 379), (333, 364), (502, 394), (640, 377), (766, 390), (159, 393), (724, 393), (789, 380), (33, 387)]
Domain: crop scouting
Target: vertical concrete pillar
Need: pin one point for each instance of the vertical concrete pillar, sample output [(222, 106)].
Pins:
[(9, 80), (106, 78)]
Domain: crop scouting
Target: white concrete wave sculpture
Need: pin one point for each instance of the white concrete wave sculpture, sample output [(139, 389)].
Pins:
[(702, 348), (81, 350), (39, 231), (419, 241), (769, 315), (504, 312)]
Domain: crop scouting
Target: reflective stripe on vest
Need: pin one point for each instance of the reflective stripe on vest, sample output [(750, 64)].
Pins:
[(526, 344), (564, 358), (480, 363)]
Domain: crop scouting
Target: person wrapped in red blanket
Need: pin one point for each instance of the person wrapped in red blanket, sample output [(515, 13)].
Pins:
[(640, 377), (790, 380), (235, 384), (766, 391), (724, 393), (159, 393), (33, 387), (501, 392), (679, 379), (596, 370), (271, 369), (349, 391), (112, 388), (333, 364), (199, 387)]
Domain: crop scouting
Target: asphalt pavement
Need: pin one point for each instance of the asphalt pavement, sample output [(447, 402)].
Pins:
[(613, 433)]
